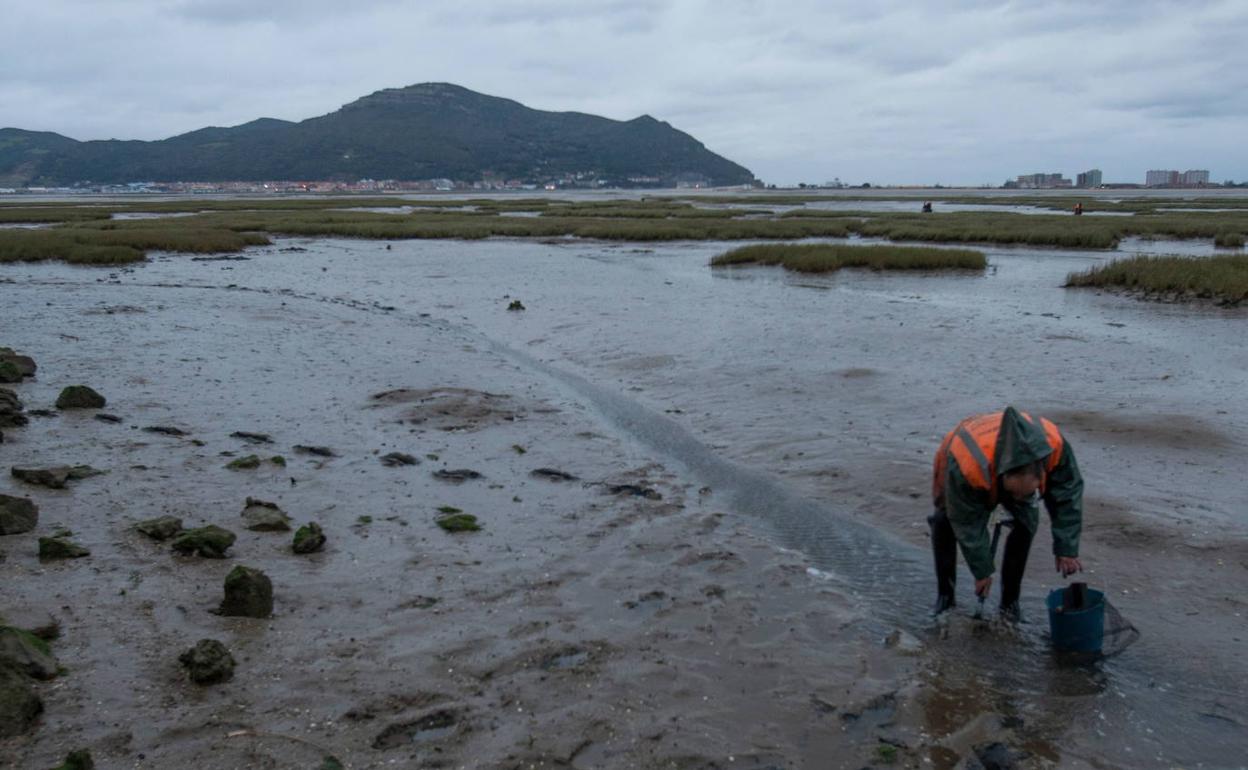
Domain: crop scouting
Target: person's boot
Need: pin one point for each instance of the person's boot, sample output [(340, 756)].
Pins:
[(944, 603)]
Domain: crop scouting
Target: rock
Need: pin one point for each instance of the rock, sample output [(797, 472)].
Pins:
[(552, 475), (77, 760), (248, 593), (319, 451), (105, 417), (459, 522), (998, 756), (244, 463), (309, 538), (208, 662), (166, 430), (261, 516), (11, 410), (17, 515), (458, 476), (903, 642), (60, 548), (27, 653), (161, 527), (80, 397), (55, 477), (516, 305), (25, 365), (211, 541), (635, 490), (9, 373), (397, 459), (52, 478), (19, 704), (252, 438)]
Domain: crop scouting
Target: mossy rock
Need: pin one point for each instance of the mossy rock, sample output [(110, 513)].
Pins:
[(262, 516), (60, 548), (80, 397), (55, 477), (24, 364), (247, 463), (9, 373), (20, 705), (208, 662), (459, 522), (210, 542), (248, 593), (278, 460), (161, 527), (17, 515), (516, 305), (27, 653), (77, 760), (309, 538)]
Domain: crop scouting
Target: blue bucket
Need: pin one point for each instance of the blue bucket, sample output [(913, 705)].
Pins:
[(1079, 630)]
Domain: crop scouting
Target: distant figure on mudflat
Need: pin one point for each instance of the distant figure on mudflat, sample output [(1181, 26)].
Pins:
[(1014, 460), (927, 207), (1078, 209)]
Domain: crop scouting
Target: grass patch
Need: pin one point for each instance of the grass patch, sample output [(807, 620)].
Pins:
[(1223, 278), (1229, 240), (448, 509), (828, 257)]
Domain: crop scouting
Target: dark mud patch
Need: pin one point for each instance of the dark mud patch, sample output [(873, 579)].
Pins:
[(1171, 431), (436, 726), (857, 373), (452, 409)]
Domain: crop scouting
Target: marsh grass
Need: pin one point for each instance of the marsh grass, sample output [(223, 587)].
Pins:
[(1222, 277), (828, 257), (87, 234)]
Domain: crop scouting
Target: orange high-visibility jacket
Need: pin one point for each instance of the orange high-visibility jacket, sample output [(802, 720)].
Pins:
[(966, 481)]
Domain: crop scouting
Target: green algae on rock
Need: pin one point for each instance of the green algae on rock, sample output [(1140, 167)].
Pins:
[(77, 760), (60, 548), (9, 373), (309, 538), (161, 527), (208, 662), (459, 522), (17, 515), (248, 593), (80, 397), (210, 542), (244, 463), (27, 653)]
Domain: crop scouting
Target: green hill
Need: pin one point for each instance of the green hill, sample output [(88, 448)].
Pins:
[(426, 131)]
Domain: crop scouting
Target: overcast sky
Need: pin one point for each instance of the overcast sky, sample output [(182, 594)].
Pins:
[(963, 92)]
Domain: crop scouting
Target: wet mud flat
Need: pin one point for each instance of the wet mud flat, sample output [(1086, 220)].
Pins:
[(808, 406), (607, 613)]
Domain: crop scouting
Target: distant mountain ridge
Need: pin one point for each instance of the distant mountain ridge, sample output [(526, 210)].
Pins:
[(424, 131)]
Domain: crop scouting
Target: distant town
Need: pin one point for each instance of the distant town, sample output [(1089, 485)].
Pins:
[(1093, 178)]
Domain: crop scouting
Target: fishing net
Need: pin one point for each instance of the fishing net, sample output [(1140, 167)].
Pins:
[(1120, 633)]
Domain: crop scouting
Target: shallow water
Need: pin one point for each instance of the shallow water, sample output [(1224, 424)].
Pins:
[(813, 402)]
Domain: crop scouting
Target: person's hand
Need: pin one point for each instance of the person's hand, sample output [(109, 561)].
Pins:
[(983, 586), (1068, 565)]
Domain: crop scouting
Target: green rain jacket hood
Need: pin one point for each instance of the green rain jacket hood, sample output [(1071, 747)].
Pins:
[(1020, 442)]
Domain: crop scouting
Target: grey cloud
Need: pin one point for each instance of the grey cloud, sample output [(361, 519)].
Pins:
[(957, 91)]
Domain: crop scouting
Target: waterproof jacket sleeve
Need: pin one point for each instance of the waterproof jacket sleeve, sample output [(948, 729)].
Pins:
[(1063, 497), (968, 510)]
